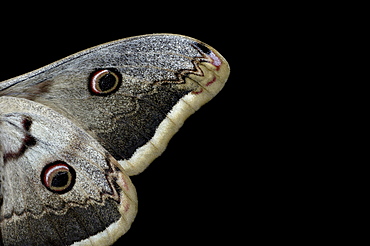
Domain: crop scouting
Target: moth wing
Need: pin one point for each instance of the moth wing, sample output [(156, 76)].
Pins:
[(163, 79), (100, 202)]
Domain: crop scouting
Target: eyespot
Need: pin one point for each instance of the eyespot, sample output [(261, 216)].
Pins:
[(58, 177), (105, 81)]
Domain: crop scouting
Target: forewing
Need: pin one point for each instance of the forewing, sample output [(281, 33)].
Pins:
[(163, 79)]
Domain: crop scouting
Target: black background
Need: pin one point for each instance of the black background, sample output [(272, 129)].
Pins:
[(190, 193)]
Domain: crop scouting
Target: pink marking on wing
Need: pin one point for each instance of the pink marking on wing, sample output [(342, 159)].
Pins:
[(216, 61), (211, 82), (127, 207), (197, 92), (125, 185)]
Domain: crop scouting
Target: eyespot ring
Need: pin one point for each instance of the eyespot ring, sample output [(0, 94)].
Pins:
[(105, 81), (58, 177)]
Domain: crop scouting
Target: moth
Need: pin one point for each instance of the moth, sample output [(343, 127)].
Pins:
[(72, 132)]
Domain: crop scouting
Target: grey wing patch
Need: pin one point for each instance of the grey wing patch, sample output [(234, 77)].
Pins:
[(17, 136)]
